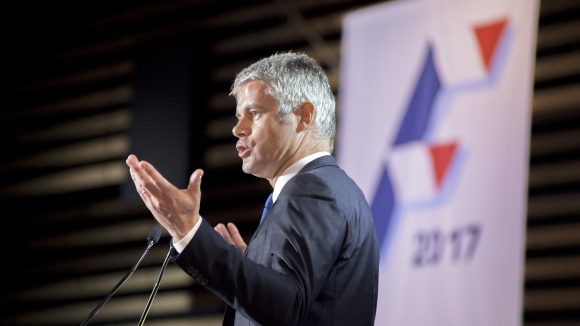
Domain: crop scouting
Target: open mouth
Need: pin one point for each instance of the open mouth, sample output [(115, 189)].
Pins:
[(243, 151)]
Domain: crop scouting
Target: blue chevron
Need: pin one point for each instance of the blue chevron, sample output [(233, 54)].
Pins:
[(413, 127), (420, 109)]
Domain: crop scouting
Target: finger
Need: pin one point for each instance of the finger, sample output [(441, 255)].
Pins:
[(139, 186), (233, 231), (195, 181), (156, 177), (132, 160), (137, 179), (134, 170), (145, 195), (221, 229), (147, 181), (154, 199), (236, 236), (147, 190)]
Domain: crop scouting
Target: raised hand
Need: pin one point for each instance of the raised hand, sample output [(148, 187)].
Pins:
[(231, 235), (177, 210)]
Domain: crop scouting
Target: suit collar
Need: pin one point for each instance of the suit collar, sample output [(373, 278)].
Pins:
[(327, 160), (294, 169)]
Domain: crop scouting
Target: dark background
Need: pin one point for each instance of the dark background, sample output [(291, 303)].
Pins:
[(86, 83)]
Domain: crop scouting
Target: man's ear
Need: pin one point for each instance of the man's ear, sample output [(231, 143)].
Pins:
[(306, 113)]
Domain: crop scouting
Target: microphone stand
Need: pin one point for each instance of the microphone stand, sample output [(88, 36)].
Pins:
[(155, 288), (151, 240)]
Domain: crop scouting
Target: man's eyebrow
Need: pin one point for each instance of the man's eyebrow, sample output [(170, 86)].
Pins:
[(248, 107)]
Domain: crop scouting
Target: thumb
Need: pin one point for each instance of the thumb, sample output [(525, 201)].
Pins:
[(195, 181)]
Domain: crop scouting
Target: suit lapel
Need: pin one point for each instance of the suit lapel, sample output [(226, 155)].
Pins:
[(229, 316)]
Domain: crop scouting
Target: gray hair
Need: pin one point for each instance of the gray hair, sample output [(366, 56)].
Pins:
[(293, 79)]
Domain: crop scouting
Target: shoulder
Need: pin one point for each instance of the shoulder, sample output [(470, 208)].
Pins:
[(325, 183), (319, 181)]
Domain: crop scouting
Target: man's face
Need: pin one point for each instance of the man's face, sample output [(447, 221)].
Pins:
[(265, 144)]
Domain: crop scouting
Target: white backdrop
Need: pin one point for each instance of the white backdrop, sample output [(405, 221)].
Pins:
[(434, 124)]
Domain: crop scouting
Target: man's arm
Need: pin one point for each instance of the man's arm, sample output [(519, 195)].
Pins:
[(260, 293), (289, 259)]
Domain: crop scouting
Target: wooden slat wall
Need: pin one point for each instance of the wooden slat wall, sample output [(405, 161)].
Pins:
[(68, 92), (552, 271)]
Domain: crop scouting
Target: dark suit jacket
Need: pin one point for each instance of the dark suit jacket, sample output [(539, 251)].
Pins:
[(313, 261)]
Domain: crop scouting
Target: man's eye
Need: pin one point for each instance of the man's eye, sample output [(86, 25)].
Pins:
[(255, 114)]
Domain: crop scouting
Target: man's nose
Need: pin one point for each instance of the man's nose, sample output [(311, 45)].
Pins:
[(241, 128)]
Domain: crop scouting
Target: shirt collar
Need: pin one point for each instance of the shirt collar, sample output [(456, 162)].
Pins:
[(291, 171)]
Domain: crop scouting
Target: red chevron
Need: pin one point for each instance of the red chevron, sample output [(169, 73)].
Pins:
[(441, 156), (488, 36)]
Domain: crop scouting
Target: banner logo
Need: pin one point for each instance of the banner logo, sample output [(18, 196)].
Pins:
[(415, 154)]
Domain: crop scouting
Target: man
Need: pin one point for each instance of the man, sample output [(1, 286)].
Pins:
[(314, 258)]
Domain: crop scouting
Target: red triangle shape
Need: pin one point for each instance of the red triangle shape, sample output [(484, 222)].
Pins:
[(441, 156), (487, 37)]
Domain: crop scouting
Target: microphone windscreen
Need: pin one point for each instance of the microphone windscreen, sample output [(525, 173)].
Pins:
[(154, 235)]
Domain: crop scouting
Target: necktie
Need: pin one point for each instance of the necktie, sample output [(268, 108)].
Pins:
[(266, 208)]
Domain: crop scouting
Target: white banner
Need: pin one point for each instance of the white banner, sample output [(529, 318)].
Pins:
[(435, 107)]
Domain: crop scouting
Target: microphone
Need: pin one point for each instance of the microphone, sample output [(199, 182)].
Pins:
[(152, 239), (155, 288)]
